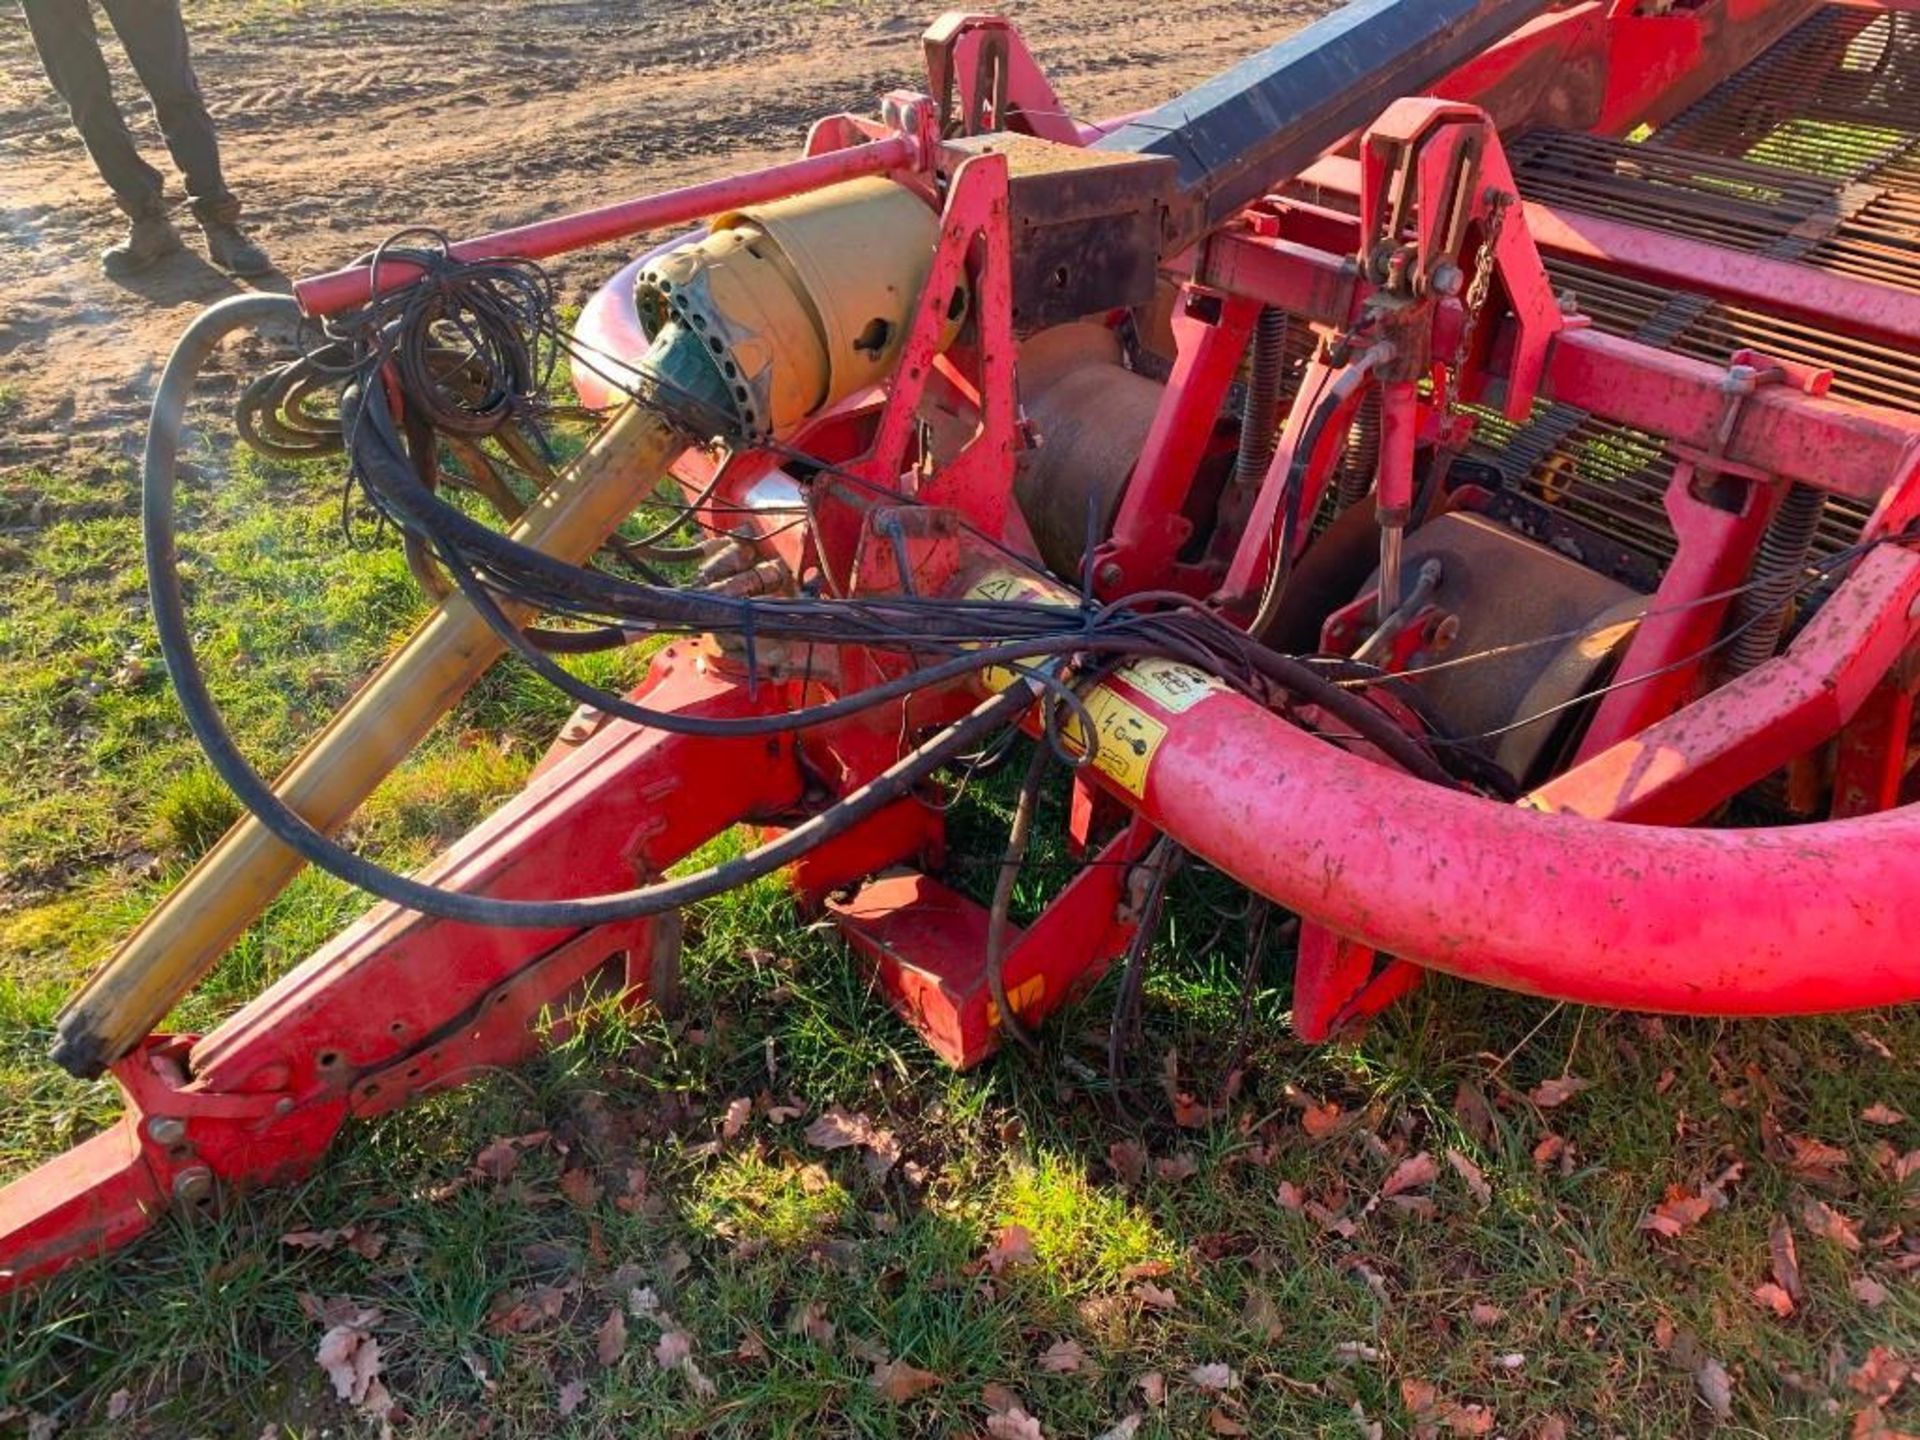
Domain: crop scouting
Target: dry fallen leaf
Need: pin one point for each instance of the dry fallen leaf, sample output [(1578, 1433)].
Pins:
[(1219, 1422), (1063, 1357), (1676, 1214), (1550, 1093), (350, 1356), (1014, 1424), (1431, 1412), (119, 1404), (1153, 1386), (1773, 1297), (515, 1312), (1879, 1376), (498, 1160), (1823, 1220), (1815, 1160), (1291, 1197), (610, 1340), (572, 1395), (739, 1111), (811, 1321), (900, 1382), (1786, 1258), (675, 1352), (1715, 1387), (1412, 1173), (1261, 1316), (1551, 1428), (1320, 1121), (675, 1347), (580, 1188), (1177, 1167), (1472, 1175), (837, 1130), (1155, 1298), (1469, 1420), (1549, 1150), (363, 1240), (1190, 1113), (1485, 1315), (1126, 1429), (1128, 1160), (1879, 1114), (1869, 1292), (1012, 1245), (1213, 1377)]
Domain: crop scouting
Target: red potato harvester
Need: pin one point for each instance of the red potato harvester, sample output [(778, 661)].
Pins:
[(1428, 473)]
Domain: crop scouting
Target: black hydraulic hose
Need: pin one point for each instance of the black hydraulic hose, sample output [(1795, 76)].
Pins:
[(1015, 655), (1341, 390), (998, 914), (159, 486)]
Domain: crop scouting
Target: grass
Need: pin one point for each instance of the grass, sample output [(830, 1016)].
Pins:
[(1256, 1241)]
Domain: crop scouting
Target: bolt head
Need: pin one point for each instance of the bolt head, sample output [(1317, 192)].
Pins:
[(166, 1130), (1448, 278), (193, 1186), (1108, 574)]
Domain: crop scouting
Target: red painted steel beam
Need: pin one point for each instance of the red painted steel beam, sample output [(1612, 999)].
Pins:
[(1842, 447), (1305, 280), (1863, 308), (1837, 446), (1882, 313), (1680, 768), (355, 284)]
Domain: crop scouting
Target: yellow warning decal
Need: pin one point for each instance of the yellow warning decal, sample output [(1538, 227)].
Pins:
[(1009, 585), (1128, 738), (1174, 687), (1020, 999), (1128, 735)]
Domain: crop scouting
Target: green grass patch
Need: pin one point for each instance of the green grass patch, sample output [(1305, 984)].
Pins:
[(1258, 1238)]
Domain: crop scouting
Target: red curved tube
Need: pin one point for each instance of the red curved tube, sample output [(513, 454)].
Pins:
[(1729, 922), (1793, 920)]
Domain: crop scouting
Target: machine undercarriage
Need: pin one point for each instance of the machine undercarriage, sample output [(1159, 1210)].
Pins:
[(1454, 474)]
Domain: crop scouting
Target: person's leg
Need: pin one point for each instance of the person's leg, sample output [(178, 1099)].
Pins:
[(63, 32), (156, 42)]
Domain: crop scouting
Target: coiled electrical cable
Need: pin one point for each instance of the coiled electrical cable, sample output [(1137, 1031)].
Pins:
[(470, 348)]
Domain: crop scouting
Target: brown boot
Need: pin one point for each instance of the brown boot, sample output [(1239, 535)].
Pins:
[(150, 239), (230, 249)]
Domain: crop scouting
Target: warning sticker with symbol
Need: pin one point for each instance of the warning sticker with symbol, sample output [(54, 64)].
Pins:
[(1174, 687), (1128, 737)]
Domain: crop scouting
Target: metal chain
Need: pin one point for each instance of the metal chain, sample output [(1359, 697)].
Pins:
[(1478, 290)]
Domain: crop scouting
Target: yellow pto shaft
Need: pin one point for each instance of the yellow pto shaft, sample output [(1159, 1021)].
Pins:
[(182, 939)]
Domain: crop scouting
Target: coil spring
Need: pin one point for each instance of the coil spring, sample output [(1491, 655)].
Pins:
[(1361, 459), (1761, 614), (1258, 428)]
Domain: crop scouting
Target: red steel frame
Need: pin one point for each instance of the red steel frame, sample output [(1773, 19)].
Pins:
[(1648, 913)]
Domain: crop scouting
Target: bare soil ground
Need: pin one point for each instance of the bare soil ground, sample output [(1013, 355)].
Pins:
[(344, 124)]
